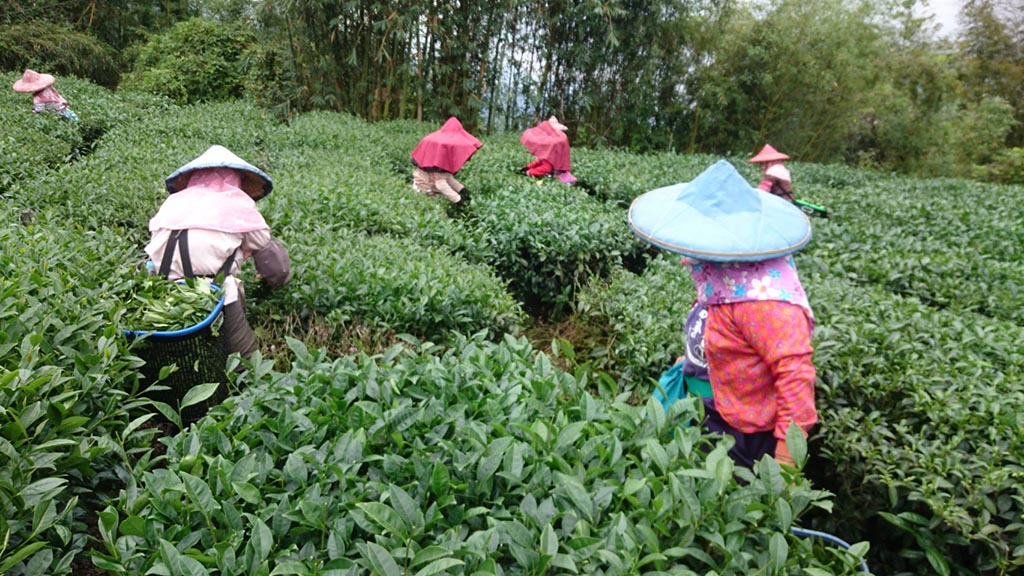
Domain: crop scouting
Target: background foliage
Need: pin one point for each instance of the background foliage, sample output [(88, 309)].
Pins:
[(868, 83)]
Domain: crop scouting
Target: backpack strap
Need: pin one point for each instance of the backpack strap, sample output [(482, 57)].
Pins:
[(186, 258), (172, 245), (225, 268), (178, 240)]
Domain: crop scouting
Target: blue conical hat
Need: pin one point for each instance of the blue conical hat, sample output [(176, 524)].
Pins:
[(255, 182), (719, 217)]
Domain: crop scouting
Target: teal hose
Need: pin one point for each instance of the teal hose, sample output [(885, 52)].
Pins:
[(804, 533)]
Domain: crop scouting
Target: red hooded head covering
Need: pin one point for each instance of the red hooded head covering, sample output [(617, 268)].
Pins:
[(448, 148), (548, 143)]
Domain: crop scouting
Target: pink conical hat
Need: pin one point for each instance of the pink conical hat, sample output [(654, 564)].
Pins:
[(32, 81), (768, 154)]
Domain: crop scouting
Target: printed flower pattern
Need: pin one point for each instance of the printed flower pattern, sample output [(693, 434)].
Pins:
[(762, 288), (725, 283)]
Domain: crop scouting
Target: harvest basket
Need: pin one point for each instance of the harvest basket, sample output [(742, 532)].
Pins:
[(201, 357)]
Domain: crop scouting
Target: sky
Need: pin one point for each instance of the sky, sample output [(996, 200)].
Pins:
[(946, 13)]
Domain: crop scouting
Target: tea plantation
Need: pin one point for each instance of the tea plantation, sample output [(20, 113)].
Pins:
[(444, 393)]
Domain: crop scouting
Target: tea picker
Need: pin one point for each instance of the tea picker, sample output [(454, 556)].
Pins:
[(755, 339), (750, 331), (209, 225), (776, 180), (45, 97), (438, 157), (548, 142)]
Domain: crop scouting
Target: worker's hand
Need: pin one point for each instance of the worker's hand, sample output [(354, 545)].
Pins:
[(782, 455)]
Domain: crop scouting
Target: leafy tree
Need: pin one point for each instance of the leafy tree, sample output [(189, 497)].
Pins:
[(906, 120), (57, 48), (118, 23), (791, 72), (196, 60), (992, 56)]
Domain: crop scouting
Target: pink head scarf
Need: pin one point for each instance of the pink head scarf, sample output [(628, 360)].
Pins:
[(548, 143), (211, 201), (731, 282), (447, 149)]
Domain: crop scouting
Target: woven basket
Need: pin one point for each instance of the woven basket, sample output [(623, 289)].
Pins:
[(201, 358)]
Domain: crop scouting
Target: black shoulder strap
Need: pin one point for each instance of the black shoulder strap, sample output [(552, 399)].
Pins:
[(172, 245), (225, 268), (178, 240), (186, 258)]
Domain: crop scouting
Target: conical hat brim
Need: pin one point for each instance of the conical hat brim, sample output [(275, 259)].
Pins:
[(698, 220), (28, 85), (768, 154), (255, 182)]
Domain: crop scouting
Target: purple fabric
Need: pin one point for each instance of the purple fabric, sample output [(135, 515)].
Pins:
[(696, 364), (731, 282), (749, 448)]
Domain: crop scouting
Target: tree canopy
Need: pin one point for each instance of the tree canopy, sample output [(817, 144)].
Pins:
[(827, 80)]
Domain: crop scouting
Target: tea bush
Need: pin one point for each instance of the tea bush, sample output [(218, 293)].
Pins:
[(67, 390), (479, 458), (919, 424), (645, 315), (551, 239), (393, 284), (334, 178), (30, 142), (619, 177)]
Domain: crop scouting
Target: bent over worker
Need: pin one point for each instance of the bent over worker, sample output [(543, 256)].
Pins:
[(209, 224), (438, 157)]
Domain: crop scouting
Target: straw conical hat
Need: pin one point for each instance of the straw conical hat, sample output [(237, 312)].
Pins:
[(255, 182)]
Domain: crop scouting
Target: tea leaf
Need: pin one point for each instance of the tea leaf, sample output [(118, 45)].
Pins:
[(199, 393), (293, 567), (384, 516), (406, 508), (778, 551), (380, 560), (261, 539), (577, 494), (438, 566), (247, 492)]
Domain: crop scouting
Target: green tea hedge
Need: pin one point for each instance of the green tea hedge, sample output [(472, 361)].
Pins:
[(477, 459)]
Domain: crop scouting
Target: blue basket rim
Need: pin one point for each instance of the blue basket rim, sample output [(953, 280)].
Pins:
[(184, 331)]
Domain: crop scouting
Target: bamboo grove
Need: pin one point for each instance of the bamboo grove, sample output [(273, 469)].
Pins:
[(869, 83)]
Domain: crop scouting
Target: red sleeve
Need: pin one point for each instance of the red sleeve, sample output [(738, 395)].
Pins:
[(781, 336), (542, 168)]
